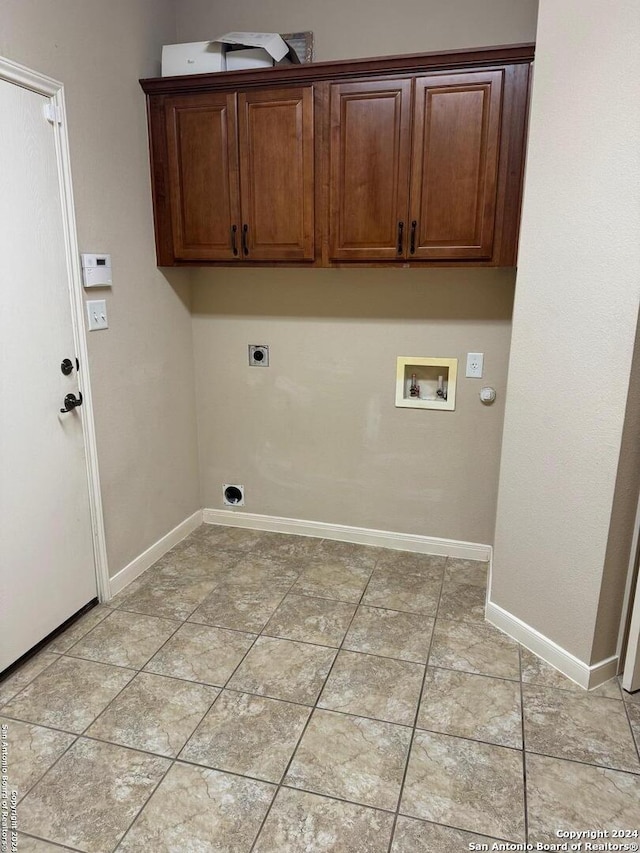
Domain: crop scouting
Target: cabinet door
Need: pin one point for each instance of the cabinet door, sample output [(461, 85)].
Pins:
[(276, 174), (456, 139), (203, 176), (369, 169)]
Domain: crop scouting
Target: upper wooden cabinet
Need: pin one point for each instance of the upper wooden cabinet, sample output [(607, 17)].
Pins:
[(399, 160), (454, 165), (240, 175), (369, 159), (276, 174)]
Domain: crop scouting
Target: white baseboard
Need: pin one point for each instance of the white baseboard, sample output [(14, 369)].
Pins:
[(344, 533), (141, 563), (587, 676)]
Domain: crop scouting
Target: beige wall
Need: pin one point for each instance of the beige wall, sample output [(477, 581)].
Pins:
[(555, 565), (345, 29), (317, 435), (142, 367)]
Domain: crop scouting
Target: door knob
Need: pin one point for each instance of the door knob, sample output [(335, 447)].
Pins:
[(72, 402)]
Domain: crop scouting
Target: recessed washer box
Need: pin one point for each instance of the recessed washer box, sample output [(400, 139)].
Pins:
[(426, 383)]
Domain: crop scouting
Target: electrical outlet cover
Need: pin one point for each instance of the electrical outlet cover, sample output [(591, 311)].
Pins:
[(258, 355), (475, 365)]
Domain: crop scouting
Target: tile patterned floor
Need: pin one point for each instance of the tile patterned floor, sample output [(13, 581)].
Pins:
[(279, 694)]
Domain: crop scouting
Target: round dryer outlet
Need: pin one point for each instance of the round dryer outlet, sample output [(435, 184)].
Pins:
[(232, 495)]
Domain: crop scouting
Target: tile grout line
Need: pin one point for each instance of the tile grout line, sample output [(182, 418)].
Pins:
[(4, 704), (224, 686), (313, 709), (83, 733), (415, 719), (524, 752), (635, 740), (47, 841), (174, 760), (138, 670)]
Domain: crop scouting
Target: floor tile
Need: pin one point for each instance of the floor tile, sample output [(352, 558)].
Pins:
[(300, 822), (201, 653), (349, 553), (462, 601), (583, 728), (328, 577), (14, 683), (283, 669), (197, 809), (351, 758), (563, 794), (125, 639), (312, 620), (195, 560), (275, 574), (250, 735), (413, 592), (465, 784), (418, 836), (541, 674), (467, 571), (69, 694), (231, 538), (472, 706), (239, 607), (89, 798), (407, 562), (474, 648), (633, 712), (390, 633), (296, 549), (154, 713), (372, 686), (80, 627), (172, 597), (31, 750)]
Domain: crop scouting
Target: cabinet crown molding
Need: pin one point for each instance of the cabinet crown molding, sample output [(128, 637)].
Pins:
[(342, 69)]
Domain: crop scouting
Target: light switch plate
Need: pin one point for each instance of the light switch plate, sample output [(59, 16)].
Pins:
[(97, 314)]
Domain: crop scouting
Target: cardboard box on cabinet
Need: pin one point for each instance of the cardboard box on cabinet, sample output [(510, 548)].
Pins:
[(229, 52)]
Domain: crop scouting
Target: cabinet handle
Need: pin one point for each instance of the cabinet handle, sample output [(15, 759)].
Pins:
[(234, 248), (414, 225), (400, 236), (245, 248)]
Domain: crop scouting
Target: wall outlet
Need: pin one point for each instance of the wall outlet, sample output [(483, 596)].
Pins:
[(258, 355), (475, 364)]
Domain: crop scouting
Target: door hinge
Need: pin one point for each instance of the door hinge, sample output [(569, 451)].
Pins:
[(53, 113)]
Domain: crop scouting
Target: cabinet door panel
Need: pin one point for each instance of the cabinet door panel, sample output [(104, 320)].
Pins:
[(277, 173), (369, 168), (455, 164), (203, 175)]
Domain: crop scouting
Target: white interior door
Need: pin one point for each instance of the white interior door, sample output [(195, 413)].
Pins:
[(47, 568)]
